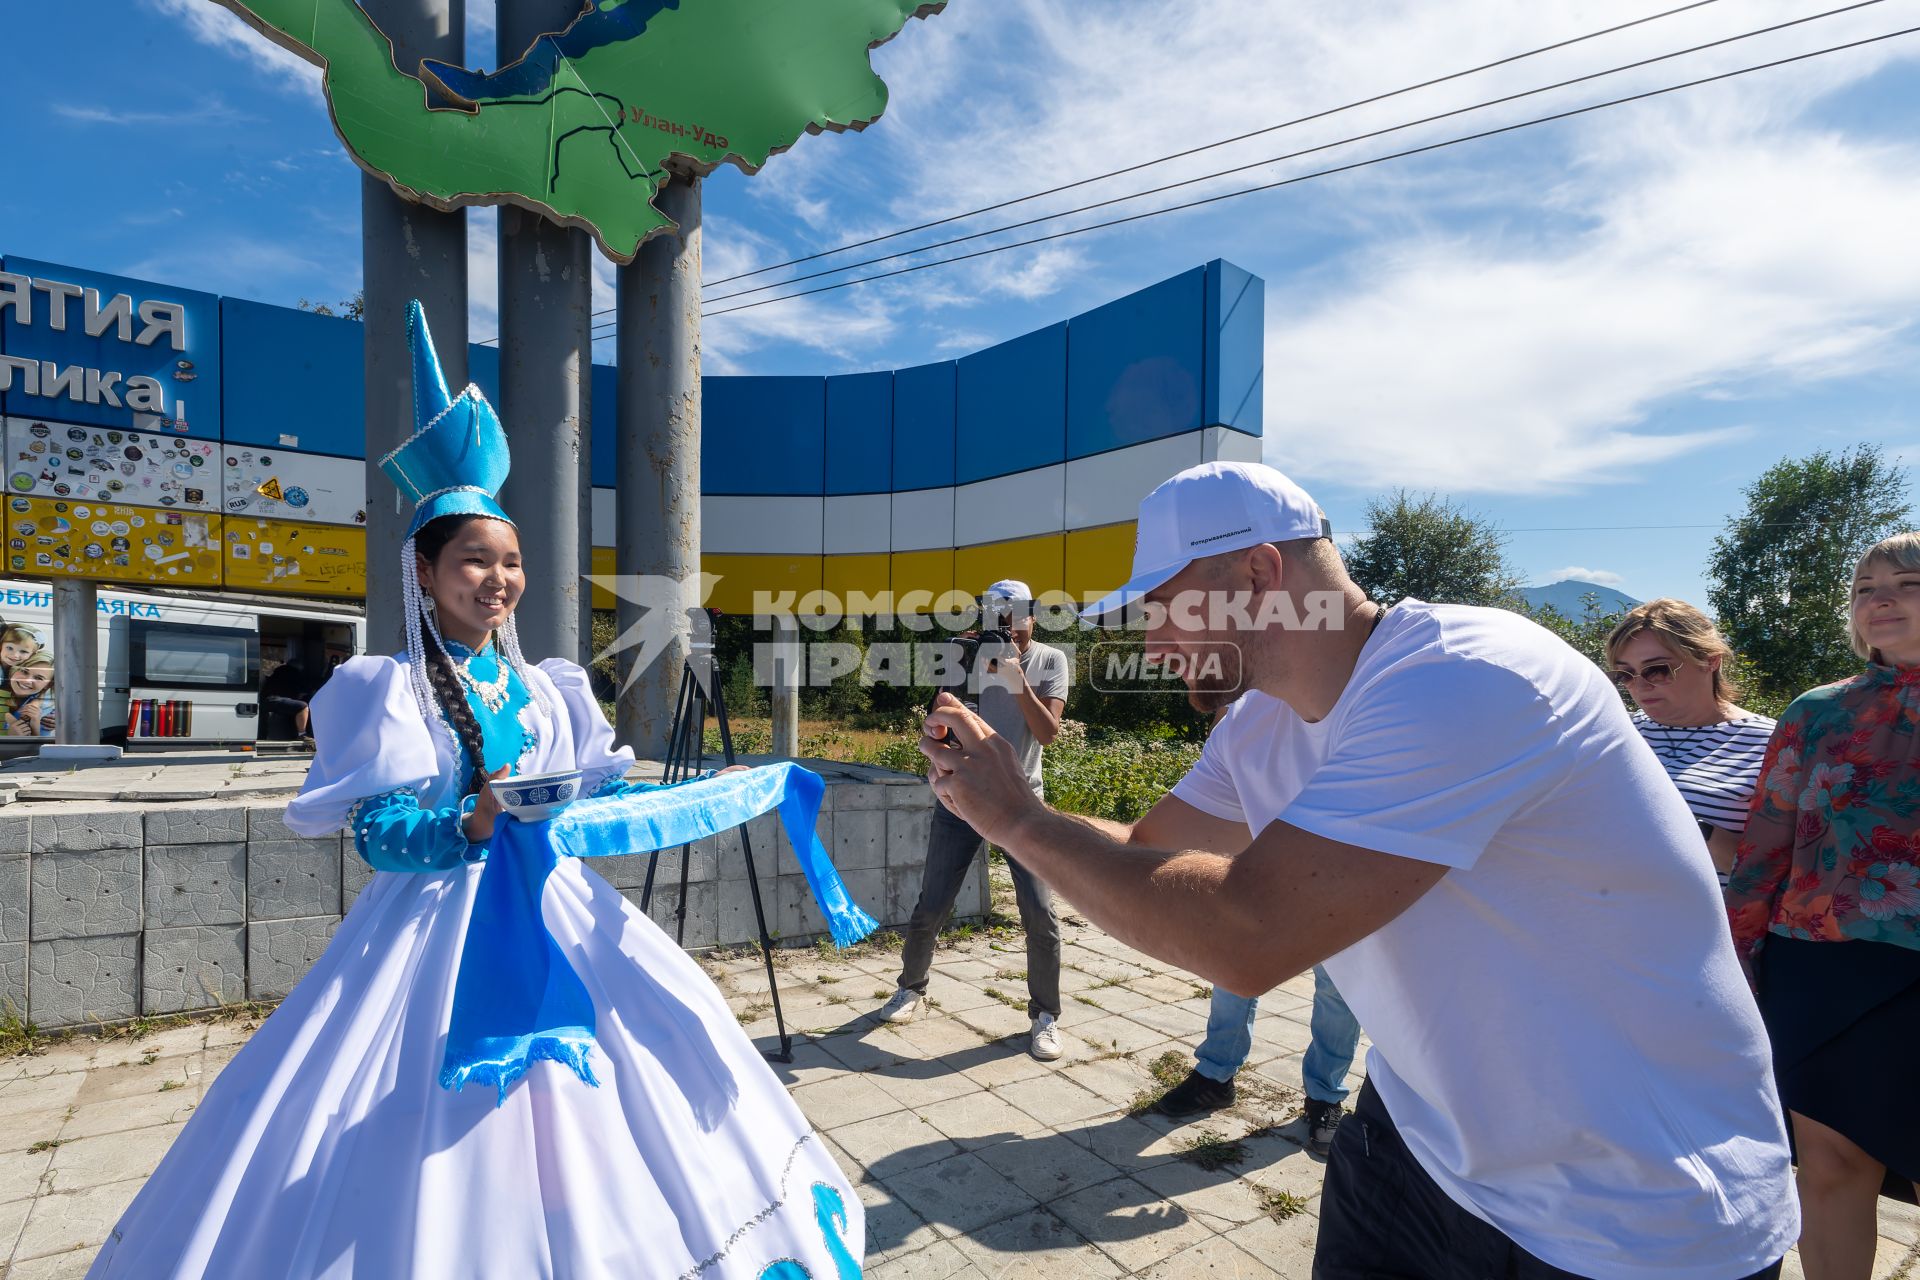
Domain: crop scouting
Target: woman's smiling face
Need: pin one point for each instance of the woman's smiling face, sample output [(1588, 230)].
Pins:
[(1886, 610), (475, 581)]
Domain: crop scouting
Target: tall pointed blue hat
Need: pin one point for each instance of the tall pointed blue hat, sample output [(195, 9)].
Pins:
[(453, 464), (456, 459)]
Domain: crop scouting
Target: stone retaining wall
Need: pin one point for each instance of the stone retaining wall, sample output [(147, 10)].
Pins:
[(113, 910)]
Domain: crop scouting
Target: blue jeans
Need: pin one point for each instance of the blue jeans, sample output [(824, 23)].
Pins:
[(1336, 1038)]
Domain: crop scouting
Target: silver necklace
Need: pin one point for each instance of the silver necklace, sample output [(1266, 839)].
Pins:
[(492, 693)]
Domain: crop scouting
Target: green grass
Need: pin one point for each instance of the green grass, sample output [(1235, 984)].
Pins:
[(1281, 1205), (1212, 1150), (1004, 999), (1167, 1070)]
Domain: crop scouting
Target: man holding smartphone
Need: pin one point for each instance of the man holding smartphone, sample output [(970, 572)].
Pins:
[(1449, 808), (1023, 688)]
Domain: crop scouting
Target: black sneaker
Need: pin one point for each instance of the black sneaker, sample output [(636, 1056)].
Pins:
[(1323, 1118), (1195, 1094)]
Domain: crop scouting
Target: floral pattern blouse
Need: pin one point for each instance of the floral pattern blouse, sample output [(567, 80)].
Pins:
[(1832, 847)]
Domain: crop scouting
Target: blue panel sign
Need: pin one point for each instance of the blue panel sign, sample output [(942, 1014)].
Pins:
[(763, 435), (923, 425), (1013, 406), (1236, 323), (603, 420), (1135, 367), (108, 351), (860, 433), (294, 380)]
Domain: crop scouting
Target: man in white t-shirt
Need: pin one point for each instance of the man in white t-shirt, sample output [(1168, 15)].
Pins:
[(1449, 807)]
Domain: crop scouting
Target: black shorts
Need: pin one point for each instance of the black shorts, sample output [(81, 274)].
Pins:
[(1383, 1218)]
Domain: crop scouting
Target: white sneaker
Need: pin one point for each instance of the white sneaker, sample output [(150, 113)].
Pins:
[(1045, 1044), (905, 1003)]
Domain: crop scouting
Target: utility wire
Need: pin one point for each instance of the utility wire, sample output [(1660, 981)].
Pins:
[(1323, 173), (1224, 142), (1295, 155)]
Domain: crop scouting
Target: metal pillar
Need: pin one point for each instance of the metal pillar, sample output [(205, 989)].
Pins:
[(546, 312), (76, 663), (658, 535), (783, 692), (406, 251)]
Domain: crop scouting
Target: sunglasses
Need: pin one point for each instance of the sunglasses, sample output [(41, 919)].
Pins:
[(1654, 673)]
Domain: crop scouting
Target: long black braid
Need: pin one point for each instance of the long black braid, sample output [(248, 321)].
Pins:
[(429, 542)]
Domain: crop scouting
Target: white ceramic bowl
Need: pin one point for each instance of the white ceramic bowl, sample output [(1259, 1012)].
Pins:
[(535, 797)]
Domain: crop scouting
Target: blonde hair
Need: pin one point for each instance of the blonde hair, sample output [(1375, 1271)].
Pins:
[(1902, 551), (1686, 631)]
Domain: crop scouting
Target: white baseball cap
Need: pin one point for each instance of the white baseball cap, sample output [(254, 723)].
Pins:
[(1207, 510), (1011, 590)]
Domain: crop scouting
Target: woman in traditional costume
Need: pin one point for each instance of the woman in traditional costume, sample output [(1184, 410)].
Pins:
[(622, 1124)]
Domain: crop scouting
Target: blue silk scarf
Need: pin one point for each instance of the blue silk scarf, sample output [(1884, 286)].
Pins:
[(516, 999)]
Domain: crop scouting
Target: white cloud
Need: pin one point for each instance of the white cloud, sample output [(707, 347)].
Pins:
[(213, 25), (1031, 275), (1579, 573), (208, 111), (1517, 363)]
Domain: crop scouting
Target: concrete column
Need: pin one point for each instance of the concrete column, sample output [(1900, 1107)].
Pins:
[(546, 305), (76, 663), (658, 535), (784, 691), (406, 251)]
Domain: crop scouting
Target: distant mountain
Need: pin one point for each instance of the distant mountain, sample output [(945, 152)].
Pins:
[(1569, 597)]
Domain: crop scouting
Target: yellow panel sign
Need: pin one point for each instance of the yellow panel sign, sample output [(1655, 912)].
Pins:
[(296, 557), (56, 538), (1098, 560), (1040, 562), (603, 568)]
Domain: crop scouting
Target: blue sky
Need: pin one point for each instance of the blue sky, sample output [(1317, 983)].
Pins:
[(1591, 332)]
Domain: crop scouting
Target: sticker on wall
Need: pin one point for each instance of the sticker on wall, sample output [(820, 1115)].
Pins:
[(49, 460), (300, 559), (177, 548), (274, 484)]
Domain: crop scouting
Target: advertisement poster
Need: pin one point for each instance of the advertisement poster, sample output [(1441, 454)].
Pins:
[(301, 559), (112, 542), (26, 681), (278, 484), (106, 464)]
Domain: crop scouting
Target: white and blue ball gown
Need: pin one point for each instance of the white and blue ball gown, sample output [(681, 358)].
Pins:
[(329, 1146)]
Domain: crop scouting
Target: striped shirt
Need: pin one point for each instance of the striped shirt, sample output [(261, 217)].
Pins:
[(1715, 765)]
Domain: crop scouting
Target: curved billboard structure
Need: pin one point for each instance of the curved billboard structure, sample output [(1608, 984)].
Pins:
[(1023, 460)]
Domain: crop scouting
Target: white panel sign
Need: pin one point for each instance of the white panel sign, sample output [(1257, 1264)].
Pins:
[(100, 464), (280, 484)]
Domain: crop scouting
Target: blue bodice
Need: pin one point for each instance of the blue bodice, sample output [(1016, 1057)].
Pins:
[(391, 830)]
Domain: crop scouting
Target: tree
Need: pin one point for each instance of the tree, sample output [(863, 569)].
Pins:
[(1782, 572), (354, 308), (1431, 549)]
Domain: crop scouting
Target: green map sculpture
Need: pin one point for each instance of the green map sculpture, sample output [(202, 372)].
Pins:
[(582, 128)]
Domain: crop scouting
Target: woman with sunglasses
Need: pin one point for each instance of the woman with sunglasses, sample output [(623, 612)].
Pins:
[(1832, 855), (1672, 661)]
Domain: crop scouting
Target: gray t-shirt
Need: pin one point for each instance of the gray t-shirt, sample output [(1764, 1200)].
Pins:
[(1046, 670)]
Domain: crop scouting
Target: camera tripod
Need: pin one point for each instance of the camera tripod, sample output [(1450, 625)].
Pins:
[(701, 692)]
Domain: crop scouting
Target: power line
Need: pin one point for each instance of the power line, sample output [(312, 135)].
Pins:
[(1147, 164), (1224, 142), (1323, 173), (1294, 155)]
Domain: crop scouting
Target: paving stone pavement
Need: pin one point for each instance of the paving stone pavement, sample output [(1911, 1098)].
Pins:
[(973, 1160)]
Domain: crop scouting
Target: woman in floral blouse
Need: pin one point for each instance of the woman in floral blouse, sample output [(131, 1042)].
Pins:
[(1829, 856)]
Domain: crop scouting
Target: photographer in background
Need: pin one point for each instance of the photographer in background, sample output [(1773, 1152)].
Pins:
[(1022, 686)]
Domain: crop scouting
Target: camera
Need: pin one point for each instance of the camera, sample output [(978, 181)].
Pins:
[(995, 642)]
